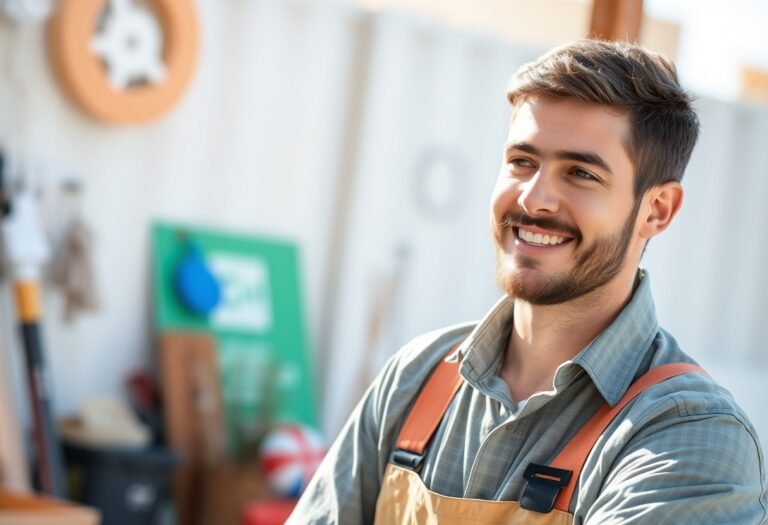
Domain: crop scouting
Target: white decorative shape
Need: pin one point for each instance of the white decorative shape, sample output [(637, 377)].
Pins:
[(246, 300), (131, 44), (288, 376), (26, 247)]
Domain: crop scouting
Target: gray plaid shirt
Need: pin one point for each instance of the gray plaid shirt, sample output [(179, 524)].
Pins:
[(682, 452)]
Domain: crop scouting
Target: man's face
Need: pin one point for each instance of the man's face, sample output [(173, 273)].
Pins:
[(563, 210)]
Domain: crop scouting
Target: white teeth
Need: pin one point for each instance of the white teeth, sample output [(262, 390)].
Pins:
[(537, 238)]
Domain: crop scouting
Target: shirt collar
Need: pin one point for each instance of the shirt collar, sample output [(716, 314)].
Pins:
[(611, 360)]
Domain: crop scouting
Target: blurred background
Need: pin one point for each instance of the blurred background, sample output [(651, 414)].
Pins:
[(289, 190)]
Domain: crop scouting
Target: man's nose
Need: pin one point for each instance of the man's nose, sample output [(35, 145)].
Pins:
[(538, 195)]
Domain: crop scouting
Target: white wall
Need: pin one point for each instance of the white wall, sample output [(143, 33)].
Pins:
[(255, 145), (434, 121), (319, 123), (708, 268)]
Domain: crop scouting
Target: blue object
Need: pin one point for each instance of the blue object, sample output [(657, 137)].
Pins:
[(297, 488), (196, 286)]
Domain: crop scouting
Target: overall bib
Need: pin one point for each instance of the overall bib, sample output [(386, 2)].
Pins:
[(546, 497)]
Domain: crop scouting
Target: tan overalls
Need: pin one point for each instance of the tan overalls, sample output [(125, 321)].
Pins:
[(404, 499)]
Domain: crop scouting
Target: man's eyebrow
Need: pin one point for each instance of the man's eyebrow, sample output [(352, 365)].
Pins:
[(585, 157), (579, 156), (523, 146)]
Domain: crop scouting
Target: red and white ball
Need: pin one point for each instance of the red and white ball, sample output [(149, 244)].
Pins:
[(290, 454)]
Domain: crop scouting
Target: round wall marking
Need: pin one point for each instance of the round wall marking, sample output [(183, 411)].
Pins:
[(440, 182)]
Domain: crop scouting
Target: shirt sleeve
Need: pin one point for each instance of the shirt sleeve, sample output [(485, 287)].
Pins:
[(705, 468), (346, 485)]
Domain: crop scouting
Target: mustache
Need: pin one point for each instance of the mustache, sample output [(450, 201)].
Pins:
[(547, 223)]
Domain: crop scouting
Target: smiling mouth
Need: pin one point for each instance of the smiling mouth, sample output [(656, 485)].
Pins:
[(539, 239)]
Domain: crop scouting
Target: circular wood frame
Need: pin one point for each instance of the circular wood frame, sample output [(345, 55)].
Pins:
[(70, 31)]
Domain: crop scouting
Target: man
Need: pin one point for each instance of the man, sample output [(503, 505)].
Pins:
[(599, 138)]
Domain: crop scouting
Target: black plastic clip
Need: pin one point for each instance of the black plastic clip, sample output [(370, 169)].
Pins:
[(407, 459), (5, 191), (543, 486)]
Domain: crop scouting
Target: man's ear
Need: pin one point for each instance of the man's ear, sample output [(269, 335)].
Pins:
[(661, 204)]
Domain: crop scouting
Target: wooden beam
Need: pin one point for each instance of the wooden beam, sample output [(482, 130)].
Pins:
[(616, 19), (13, 465), (754, 84)]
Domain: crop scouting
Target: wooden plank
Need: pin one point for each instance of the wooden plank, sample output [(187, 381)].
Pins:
[(616, 20), (13, 468), (192, 412), (30, 509), (754, 84)]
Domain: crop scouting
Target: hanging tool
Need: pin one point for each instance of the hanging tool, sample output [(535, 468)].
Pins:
[(26, 251), (13, 468)]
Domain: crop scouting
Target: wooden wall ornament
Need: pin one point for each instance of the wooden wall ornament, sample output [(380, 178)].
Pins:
[(616, 20), (121, 64)]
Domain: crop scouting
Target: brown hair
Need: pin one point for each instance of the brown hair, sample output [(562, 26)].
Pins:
[(643, 84)]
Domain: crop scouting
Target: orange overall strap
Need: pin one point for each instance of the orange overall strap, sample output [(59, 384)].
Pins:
[(575, 453), (430, 406)]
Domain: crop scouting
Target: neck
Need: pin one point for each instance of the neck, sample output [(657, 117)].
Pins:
[(545, 336)]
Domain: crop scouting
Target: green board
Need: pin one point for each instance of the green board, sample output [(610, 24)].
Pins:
[(258, 325)]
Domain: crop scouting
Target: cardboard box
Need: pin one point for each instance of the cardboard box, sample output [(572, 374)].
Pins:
[(32, 509), (227, 489)]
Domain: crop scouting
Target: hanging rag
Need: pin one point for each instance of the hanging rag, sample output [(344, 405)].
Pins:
[(72, 270)]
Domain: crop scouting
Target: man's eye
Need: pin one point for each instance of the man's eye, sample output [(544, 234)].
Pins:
[(583, 174), (520, 162)]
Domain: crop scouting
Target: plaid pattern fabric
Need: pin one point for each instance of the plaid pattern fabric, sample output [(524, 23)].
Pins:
[(682, 452)]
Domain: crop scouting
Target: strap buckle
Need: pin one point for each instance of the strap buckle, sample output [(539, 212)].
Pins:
[(544, 484), (407, 459)]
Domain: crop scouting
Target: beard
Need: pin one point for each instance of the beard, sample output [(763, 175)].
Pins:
[(596, 266)]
